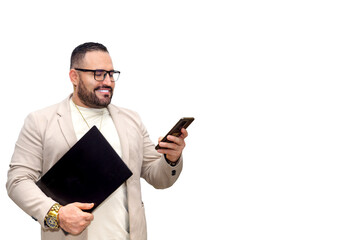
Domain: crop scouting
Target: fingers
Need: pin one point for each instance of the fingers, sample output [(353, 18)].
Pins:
[(174, 148), (184, 133), (88, 217), (73, 220), (84, 206), (175, 142), (174, 139), (168, 146)]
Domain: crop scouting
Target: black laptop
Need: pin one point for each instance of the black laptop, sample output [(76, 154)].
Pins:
[(89, 172)]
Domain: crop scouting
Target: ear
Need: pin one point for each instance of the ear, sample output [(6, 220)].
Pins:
[(74, 77)]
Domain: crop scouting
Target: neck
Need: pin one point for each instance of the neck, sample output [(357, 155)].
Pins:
[(77, 101), (89, 110)]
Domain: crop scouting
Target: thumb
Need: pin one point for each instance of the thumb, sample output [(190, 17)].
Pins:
[(84, 206)]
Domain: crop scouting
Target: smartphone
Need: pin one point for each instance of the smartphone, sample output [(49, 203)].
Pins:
[(176, 130)]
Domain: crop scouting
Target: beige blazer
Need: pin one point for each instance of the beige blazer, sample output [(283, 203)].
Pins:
[(48, 134)]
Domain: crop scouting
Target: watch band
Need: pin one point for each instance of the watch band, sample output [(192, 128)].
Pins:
[(52, 218), (173, 164)]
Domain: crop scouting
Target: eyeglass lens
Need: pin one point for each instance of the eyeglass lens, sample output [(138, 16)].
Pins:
[(100, 75)]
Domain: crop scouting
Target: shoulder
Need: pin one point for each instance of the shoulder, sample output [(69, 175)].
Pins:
[(123, 111), (46, 111), (127, 116), (49, 113), (63, 105)]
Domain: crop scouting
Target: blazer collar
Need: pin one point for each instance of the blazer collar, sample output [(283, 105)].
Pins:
[(65, 122)]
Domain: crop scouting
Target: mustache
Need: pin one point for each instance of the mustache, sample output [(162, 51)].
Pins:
[(104, 86)]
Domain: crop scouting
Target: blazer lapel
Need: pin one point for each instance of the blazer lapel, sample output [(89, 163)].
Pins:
[(65, 122), (122, 132)]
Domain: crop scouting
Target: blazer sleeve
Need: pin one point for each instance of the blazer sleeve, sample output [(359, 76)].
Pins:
[(155, 169), (25, 169)]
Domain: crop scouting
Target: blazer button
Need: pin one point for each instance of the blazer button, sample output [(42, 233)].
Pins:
[(173, 172)]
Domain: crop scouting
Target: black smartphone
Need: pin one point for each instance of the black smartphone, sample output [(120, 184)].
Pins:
[(176, 130)]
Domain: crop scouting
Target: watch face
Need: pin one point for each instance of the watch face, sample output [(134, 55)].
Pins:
[(51, 222)]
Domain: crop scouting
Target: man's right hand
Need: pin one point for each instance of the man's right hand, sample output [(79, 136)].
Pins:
[(73, 220)]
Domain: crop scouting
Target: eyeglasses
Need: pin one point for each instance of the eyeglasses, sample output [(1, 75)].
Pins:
[(100, 74)]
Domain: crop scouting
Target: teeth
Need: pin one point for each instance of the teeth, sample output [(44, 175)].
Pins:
[(105, 91)]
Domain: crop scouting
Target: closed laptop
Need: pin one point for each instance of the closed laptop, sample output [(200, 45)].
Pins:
[(89, 172)]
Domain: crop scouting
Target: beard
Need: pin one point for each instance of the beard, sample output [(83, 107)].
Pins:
[(90, 99)]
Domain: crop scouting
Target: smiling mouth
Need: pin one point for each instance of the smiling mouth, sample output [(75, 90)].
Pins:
[(103, 89)]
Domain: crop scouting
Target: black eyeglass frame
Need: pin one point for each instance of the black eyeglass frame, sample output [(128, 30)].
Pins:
[(102, 70)]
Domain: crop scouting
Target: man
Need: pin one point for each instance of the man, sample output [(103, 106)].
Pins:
[(49, 133)]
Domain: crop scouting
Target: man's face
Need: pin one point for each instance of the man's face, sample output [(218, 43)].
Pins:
[(93, 93)]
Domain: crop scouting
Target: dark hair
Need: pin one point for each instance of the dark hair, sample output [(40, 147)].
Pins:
[(79, 52)]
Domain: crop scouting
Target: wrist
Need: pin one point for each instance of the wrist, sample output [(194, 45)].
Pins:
[(52, 218), (171, 162)]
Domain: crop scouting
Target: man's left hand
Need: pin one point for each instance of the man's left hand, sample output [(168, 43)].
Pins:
[(173, 150)]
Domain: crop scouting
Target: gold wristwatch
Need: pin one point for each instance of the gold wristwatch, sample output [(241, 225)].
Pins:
[(52, 218)]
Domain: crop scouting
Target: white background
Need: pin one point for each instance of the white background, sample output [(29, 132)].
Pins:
[(273, 85)]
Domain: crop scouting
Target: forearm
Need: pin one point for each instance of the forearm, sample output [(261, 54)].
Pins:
[(155, 169), (26, 167), (160, 174), (24, 192)]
